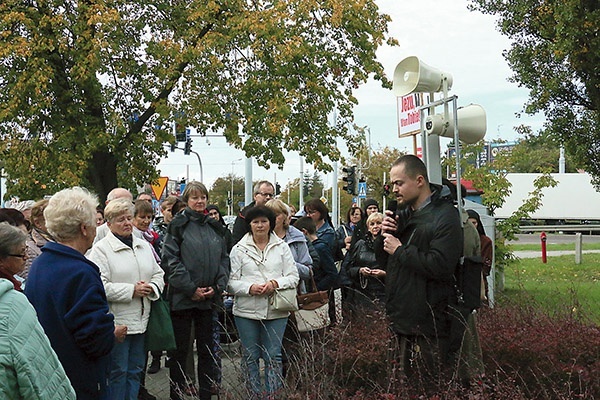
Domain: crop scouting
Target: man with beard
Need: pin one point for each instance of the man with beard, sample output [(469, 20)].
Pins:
[(423, 241)]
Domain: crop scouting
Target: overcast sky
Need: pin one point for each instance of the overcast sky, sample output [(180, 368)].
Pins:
[(443, 34)]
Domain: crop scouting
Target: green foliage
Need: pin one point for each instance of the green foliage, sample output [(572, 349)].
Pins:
[(220, 189), (88, 90), (557, 283), (555, 53), (491, 179), (537, 153), (380, 161)]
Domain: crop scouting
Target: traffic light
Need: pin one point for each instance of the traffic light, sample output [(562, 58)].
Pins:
[(277, 189), (173, 147), (180, 132), (188, 147), (350, 179), (386, 189)]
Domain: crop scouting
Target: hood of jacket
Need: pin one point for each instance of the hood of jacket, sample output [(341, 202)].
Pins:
[(5, 286), (293, 235)]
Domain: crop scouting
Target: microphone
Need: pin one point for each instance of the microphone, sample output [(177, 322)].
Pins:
[(393, 206)]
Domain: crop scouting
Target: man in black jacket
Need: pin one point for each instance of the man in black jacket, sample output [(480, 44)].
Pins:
[(263, 192), (423, 242)]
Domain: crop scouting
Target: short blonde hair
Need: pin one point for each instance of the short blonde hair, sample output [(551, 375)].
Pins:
[(376, 216), (67, 210), (118, 207), (279, 207)]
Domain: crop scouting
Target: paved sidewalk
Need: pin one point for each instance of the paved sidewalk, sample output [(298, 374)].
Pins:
[(233, 388)]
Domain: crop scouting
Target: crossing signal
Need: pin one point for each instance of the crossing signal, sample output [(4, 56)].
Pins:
[(350, 179)]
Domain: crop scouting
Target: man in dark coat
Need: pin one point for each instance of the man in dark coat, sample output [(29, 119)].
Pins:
[(424, 244), (263, 192)]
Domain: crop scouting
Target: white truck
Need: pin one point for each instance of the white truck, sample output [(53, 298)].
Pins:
[(573, 200)]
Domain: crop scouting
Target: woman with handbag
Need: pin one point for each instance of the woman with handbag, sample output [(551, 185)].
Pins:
[(132, 280), (263, 272)]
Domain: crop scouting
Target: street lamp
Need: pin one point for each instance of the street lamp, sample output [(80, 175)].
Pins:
[(231, 195)]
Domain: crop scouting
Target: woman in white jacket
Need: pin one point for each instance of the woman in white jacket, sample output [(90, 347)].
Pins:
[(132, 279), (260, 263)]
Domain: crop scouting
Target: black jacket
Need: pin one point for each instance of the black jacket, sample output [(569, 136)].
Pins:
[(240, 227), (420, 274), (371, 288), (195, 255)]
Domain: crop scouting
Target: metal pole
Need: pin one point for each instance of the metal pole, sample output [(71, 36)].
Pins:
[(301, 186), (200, 165), (335, 208), (248, 182), (231, 195)]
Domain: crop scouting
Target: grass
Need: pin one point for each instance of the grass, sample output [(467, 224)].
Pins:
[(559, 286)]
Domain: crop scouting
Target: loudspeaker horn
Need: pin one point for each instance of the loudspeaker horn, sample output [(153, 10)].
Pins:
[(472, 124), (414, 76)]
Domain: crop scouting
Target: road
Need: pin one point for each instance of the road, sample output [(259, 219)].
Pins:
[(554, 238)]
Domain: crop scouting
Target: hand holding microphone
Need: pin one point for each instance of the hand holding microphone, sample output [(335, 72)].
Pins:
[(390, 220)]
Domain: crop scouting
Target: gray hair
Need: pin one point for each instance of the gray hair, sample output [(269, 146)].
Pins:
[(119, 193), (11, 238), (256, 188), (118, 207), (67, 210)]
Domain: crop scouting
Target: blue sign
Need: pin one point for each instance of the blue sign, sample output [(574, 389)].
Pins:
[(362, 190)]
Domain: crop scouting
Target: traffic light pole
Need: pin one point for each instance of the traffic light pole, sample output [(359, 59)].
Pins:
[(197, 156)]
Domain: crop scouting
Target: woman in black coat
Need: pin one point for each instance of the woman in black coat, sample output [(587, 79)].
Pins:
[(368, 277)]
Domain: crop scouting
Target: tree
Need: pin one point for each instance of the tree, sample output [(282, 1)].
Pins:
[(555, 53), (379, 162), (219, 192), (313, 185), (89, 90), (536, 154)]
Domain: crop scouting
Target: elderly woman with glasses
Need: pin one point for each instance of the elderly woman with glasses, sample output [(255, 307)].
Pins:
[(66, 290), (12, 253), (132, 280), (16, 218), (29, 368)]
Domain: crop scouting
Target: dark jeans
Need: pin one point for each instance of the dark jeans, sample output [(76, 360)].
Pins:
[(182, 325), (420, 358)]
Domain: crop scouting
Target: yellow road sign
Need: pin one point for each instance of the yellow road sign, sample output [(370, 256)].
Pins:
[(159, 188)]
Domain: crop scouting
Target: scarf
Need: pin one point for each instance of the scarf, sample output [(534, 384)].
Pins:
[(15, 282)]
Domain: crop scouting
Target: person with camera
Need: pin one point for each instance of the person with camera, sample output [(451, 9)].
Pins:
[(422, 242)]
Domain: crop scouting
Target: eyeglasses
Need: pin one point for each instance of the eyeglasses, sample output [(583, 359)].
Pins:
[(266, 194), (23, 256)]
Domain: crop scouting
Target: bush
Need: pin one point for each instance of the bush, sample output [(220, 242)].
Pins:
[(548, 356), (528, 354)]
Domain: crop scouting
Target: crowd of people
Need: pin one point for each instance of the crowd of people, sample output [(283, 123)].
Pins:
[(92, 273)]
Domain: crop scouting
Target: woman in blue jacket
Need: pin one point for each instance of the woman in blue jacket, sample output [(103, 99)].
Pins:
[(65, 289)]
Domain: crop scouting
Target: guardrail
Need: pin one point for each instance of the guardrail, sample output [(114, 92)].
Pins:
[(559, 228)]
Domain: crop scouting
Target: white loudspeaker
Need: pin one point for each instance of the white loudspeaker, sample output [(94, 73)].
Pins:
[(414, 76), (472, 124)]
